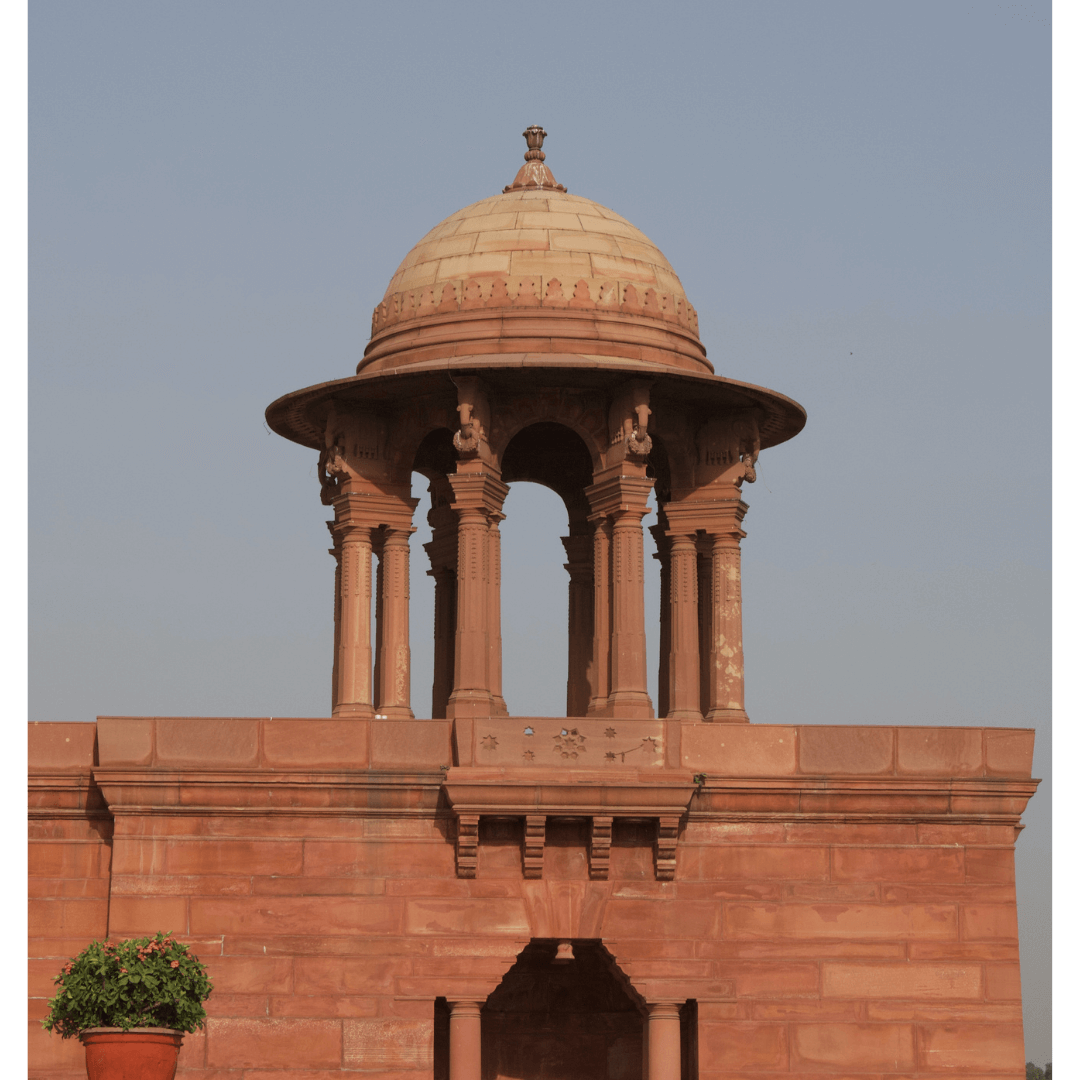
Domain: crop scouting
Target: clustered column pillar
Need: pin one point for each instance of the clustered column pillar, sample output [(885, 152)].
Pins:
[(619, 503), (352, 668), (363, 525), (464, 1040), (478, 499), (704, 605)]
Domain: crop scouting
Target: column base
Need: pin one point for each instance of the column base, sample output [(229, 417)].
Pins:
[(357, 709), (690, 716), (477, 703), (394, 712), (631, 705), (727, 716)]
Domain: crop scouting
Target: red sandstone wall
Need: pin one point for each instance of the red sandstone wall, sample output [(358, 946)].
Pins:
[(842, 905)]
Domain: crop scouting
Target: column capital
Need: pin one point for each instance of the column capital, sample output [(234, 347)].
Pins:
[(372, 510), (481, 491), (714, 516), (617, 494), (464, 1006), (665, 1007)]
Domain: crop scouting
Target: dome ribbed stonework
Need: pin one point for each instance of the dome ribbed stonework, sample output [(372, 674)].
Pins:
[(479, 281)]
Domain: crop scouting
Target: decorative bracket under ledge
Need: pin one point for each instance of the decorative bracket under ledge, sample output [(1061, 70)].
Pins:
[(537, 794)]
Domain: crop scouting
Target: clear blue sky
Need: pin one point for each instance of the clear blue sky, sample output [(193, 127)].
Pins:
[(856, 197)]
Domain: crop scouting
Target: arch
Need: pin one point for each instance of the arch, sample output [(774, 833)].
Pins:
[(556, 457)]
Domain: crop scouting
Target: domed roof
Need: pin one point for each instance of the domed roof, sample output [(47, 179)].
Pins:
[(521, 233), (477, 283), (534, 288)]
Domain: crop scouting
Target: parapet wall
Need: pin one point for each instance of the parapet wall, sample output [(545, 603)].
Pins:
[(836, 901)]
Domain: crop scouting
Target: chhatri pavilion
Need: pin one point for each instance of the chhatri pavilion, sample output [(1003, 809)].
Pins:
[(635, 890)]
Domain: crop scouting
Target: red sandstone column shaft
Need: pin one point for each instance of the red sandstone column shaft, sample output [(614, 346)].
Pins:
[(393, 617), (704, 579), (684, 666), (376, 668), (629, 695), (336, 552), (442, 551), (663, 556), (600, 658), (464, 1040), (470, 639), (478, 497), (354, 646), (494, 625), (579, 623), (727, 694), (664, 1042)]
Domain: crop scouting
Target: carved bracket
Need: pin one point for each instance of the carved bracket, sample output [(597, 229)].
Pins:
[(600, 847), (667, 839), (535, 834), (468, 841)]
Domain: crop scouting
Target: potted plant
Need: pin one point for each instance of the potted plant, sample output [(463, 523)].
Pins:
[(130, 1003)]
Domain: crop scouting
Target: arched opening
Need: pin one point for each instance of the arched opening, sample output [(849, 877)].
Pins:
[(546, 617), (562, 1011)]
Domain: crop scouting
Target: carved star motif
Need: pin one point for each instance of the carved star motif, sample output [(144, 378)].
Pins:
[(609, 732), (489, 742)]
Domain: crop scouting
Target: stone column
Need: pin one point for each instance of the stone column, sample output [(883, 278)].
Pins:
[(494, 622), (377, 597), (442, 551), (714, 513), (663, 556), (704, 580), (579, 619), (393, 663), (629, 696), (478, 494), (353, 665), (684, 665), (726, 691), (465, 1040), (664, 1041), (335, 550), (600, 654)]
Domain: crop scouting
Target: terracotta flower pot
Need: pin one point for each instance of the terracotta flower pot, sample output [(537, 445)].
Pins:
[(143, 1053)]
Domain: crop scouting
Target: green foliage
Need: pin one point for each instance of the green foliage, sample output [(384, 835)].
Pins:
[(1035, 1073), (140, 982)]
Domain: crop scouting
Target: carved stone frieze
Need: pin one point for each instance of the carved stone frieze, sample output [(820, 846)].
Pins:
[(530, 291)]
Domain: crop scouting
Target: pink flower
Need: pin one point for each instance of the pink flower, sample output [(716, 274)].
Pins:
[(175, 964), (123, 971)]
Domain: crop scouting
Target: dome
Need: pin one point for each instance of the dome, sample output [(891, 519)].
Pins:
[(525, 233), (533, 290), (535, 269)]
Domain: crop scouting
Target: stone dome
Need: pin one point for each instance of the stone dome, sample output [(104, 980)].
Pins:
[(535, 269)]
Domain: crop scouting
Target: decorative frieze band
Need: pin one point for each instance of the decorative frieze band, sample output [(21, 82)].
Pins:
[(534, 291)]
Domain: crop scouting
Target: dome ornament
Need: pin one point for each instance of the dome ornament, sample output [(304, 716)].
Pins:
[(534, 175)]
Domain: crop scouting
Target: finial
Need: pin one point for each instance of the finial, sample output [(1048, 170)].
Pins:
[(534, 174)]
